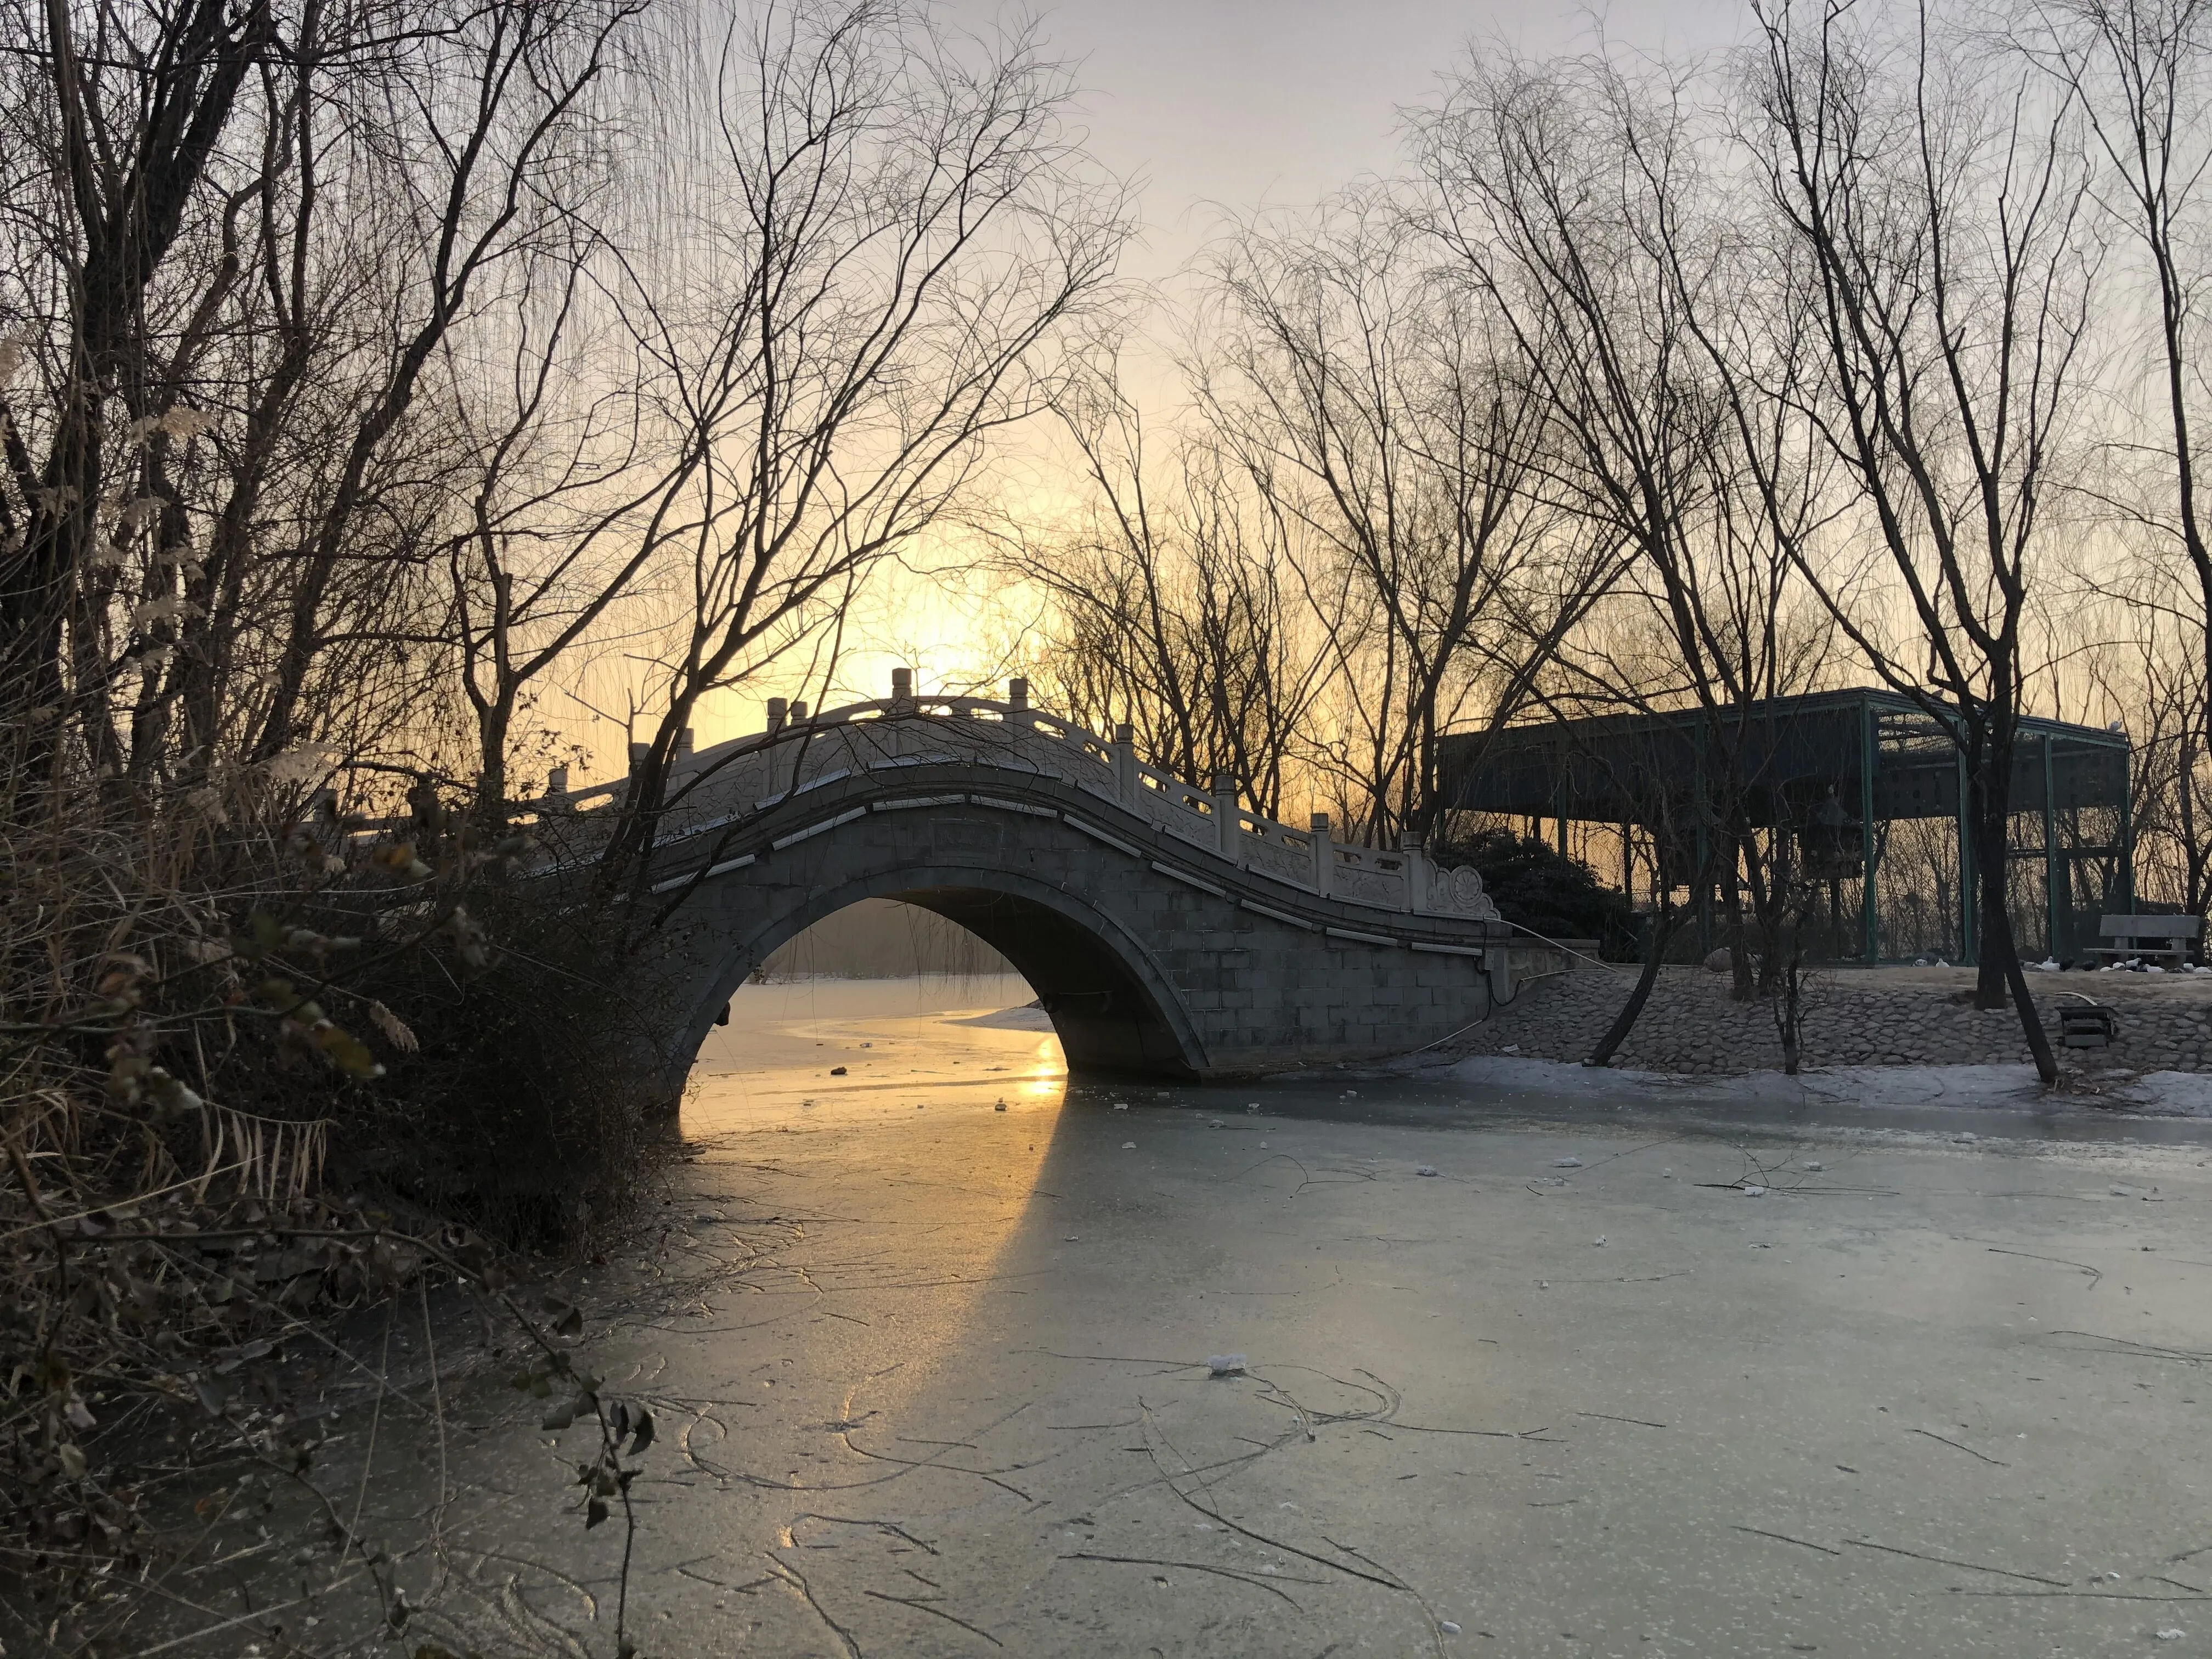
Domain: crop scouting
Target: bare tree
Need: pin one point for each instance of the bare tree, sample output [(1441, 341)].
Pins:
[(1367, 408), (1580, 200), (235, 240), (1169, 603), (484, 167), (114, 117), (2142, 73), (567, 487), (885, 233), (1930, 199)]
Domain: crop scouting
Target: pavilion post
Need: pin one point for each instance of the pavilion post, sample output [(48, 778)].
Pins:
[(2051, 943), (1869, 751), (2127, 871), (1705, 874), (1969, 904), (1705, 890)]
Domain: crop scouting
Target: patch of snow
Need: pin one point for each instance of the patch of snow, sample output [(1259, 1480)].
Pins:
[(2170, 1094), (1923, 1085), (2002, 1086), (1031, 1018), (1557, 1077)]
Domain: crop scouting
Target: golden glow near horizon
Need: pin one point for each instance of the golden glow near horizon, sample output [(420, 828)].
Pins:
[(940, 609)]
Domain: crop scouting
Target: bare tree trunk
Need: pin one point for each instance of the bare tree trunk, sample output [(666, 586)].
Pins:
[(1655, 953), (1740, 986), (1955, 315), (1789, 1016), (2000, 963)]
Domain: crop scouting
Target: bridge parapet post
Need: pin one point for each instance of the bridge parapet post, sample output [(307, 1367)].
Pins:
[(1019, 716), (1225, 816), (1410, 844), (898, 741), (1324, 853), (785, 759), (1125, 763)]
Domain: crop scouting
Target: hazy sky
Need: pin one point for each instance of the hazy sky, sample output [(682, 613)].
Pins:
[(1240, 101), (1233, 102)]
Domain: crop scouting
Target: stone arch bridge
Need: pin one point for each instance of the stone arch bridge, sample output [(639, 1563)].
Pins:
[(1164, 928)]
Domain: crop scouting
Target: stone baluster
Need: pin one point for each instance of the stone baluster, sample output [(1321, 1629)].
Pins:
[(779, 716), (788, 779), (896, 739), (1416, 863), (1225, 816), (1324, 854), (1125, 765)]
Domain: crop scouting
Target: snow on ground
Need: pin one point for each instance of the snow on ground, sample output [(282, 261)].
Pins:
[(1028, 1017), (2171, 1094), (2166, 1094)]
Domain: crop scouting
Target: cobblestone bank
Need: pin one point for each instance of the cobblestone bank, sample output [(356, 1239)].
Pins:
[(1691, 1026)]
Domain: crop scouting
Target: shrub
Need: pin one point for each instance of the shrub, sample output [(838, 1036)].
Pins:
[(1539, 888)]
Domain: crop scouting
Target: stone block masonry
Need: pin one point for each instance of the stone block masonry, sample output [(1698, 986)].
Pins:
[(1149, 955), (1164, 928)]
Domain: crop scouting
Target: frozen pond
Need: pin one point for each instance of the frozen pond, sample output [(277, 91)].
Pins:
[(1521, 1374)]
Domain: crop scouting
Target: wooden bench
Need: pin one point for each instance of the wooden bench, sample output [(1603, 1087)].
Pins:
[(2163, 939)]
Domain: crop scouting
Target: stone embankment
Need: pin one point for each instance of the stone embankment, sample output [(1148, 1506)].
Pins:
[(1853, 1017)]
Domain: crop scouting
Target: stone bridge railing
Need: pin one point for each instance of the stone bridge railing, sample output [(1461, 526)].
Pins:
[(711, 789)]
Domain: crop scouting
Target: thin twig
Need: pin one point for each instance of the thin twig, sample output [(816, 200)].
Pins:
[(921, 1605), (1784, 1538), (1194, 1566), (1961, 1446), (1945, 1561)]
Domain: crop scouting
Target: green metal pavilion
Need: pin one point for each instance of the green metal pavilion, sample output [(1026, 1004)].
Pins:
[(1870, 778)]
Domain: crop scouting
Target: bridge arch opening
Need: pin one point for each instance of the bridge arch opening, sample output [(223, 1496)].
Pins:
[(1107, 1017), (1109, 1006)]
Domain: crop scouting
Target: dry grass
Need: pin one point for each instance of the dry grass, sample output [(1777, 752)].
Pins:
[(255, 1073)]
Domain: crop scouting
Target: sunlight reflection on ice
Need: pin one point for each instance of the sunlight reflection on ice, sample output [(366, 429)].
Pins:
[(917, 1058)]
